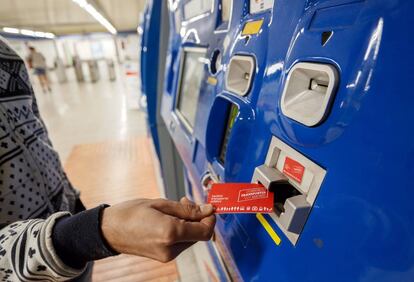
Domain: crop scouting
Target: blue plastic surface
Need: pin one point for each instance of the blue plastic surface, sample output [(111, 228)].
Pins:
[(361, 226), (149, 61)]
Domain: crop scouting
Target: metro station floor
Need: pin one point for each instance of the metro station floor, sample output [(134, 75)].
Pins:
[(112, 172), (79, 113), (101, 136)]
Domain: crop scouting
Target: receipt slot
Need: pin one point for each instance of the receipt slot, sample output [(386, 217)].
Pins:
[(308, 92), (295, 180)]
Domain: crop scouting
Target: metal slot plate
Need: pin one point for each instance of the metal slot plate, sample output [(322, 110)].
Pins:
[(310, 185)]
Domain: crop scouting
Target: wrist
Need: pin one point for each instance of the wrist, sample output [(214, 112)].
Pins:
[(78, 238), (104, 234), (108, 231)]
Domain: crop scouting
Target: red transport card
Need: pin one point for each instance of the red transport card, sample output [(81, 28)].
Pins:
[(240, 198), (294, 169)]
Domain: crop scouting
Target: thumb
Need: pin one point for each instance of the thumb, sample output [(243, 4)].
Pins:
[(184, 209), (206, 210)]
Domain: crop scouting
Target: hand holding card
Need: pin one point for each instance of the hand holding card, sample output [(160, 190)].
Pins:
[(240, 198)]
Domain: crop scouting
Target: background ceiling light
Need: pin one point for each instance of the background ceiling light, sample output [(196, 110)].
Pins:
[(98, 16), (28, 32), (11, 30)]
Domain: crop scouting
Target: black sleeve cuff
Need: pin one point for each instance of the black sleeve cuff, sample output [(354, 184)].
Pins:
[(78, 239)]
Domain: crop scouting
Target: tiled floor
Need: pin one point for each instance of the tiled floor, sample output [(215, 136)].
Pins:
[(113, 172), (78, 113), (133, 269)]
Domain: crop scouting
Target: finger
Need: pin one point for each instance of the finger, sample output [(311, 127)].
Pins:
[(206, 208), (185, 200), (195, 231), (210, 221), (187, 211)]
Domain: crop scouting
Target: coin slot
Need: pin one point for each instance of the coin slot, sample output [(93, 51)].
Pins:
[(240, 74)]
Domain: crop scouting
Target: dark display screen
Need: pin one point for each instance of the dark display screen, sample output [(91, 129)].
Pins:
[(192, 74), (230, 122)]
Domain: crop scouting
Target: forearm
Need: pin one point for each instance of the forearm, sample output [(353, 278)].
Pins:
[(27, 252), (56, 249)]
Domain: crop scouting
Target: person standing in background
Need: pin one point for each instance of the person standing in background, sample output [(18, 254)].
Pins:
[(37, 62)]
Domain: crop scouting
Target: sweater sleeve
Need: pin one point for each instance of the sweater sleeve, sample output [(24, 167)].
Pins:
[(78, 239), (27, 252)]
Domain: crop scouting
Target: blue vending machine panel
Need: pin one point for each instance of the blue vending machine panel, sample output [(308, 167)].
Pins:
[(198, 29), (312, 92), (149, 59)]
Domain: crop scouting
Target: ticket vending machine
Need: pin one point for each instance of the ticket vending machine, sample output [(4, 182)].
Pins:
[(197, 28), (154, 31), (312, 100)]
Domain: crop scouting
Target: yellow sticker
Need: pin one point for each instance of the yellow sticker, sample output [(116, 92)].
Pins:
[(251, 28), (269, 229), (211, 80)]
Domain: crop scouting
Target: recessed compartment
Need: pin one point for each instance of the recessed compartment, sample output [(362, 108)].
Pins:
[(308, 92), (230, 127), (233, 112), (284, 191), (221, 121), (240, 74)]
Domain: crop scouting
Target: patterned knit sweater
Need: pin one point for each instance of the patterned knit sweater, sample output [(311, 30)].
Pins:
[(34, 190)]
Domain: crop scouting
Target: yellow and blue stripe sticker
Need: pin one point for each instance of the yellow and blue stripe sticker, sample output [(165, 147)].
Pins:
[(272, 233)]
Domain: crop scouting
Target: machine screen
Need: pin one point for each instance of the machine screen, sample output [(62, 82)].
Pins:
[(196, 8), (192, 73), (230, 122), (226, 6)]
